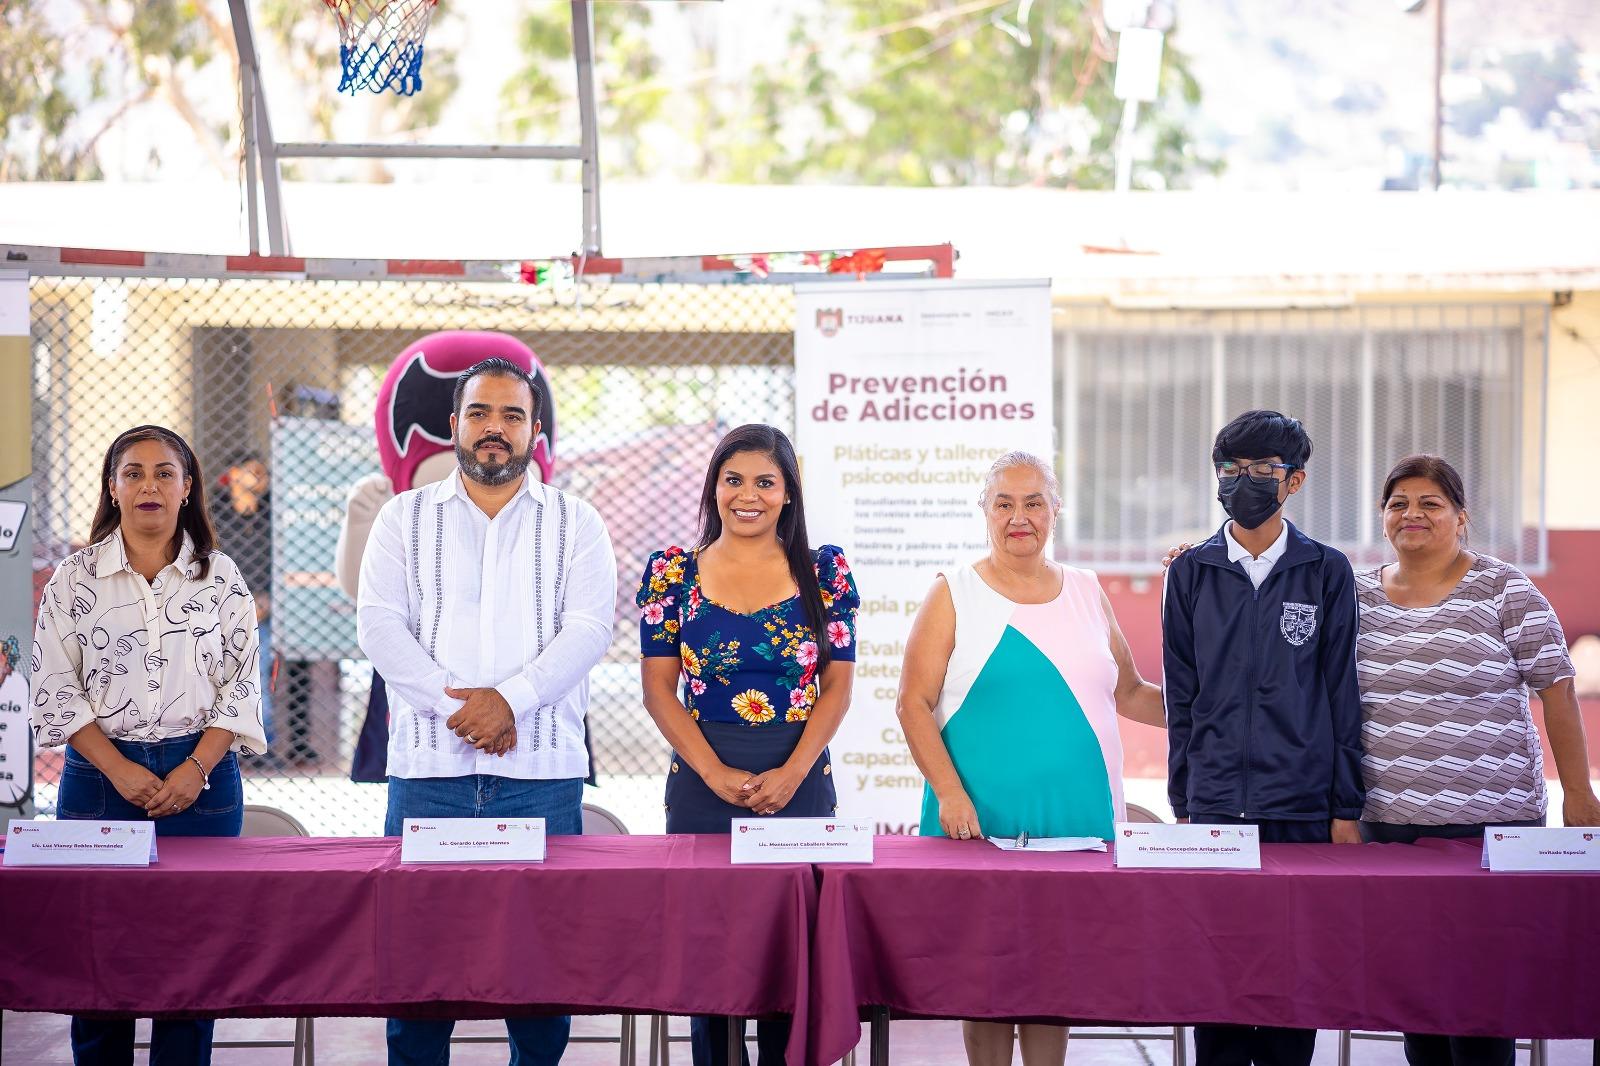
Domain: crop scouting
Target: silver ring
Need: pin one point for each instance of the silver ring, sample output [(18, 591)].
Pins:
[(471, 739), (966, 834), (177, 807)]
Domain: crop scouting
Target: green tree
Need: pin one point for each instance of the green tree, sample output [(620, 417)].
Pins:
[(541, 97), (66, 82), (906, 92), (37, 108)]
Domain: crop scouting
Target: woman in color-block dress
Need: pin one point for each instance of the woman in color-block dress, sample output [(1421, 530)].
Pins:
[(1014, 676)]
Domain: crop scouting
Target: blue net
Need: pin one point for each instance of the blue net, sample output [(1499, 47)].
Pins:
[(380, 44), (396, 67)]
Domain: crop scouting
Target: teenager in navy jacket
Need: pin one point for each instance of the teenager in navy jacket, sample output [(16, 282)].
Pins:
[(1259, 650)]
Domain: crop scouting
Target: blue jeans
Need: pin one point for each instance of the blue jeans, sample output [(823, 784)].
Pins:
[(1427, 1049), (534, 1041), (1263, 1045), (217, 812)]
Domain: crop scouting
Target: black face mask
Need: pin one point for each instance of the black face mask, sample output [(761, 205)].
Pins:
[(1247, 501)]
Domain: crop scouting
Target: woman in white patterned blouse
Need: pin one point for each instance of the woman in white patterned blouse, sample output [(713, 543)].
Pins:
[(144, 665)]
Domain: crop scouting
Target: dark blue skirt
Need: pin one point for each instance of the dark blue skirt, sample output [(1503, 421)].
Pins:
[(693, 808)]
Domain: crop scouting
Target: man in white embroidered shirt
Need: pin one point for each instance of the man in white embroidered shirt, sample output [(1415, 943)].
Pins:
[(485, 600)]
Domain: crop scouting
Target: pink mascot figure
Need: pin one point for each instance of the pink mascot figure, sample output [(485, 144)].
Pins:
[(412, 422)]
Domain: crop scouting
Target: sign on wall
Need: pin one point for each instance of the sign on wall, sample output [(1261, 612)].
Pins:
[(16, 543), (905, 393), (314, 463)]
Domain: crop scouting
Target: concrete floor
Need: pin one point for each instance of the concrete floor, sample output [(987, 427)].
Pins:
[(41, 1040)]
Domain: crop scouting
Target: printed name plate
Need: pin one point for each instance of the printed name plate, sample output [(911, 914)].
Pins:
[(472, 840), (801, 840), (80, 843), (1527, 848), (1151, 845)]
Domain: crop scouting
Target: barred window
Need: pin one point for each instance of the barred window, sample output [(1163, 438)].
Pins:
[(1143, 396)]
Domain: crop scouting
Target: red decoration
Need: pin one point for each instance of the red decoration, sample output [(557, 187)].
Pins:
[(860, 263)]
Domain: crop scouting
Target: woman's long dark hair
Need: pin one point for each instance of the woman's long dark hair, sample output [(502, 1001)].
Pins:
[(791, 531), (192, 516)]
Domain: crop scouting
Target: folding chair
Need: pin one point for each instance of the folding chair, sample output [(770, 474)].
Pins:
[(262, 821), (597, 822), (1177, 1035), (1538, 1050)]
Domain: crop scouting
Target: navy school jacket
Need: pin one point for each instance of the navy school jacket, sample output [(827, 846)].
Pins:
[(1263, 712)]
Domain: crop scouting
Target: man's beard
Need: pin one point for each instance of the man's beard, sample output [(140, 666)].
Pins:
[(492, 473)]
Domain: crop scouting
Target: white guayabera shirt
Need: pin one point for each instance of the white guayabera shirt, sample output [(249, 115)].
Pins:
[(523, 603), (147, 660)]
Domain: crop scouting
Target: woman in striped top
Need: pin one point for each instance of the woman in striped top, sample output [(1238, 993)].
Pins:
[(1450, 643)]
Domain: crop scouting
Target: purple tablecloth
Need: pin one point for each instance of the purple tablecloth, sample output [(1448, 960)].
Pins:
[(288, 927), (1383, 937)]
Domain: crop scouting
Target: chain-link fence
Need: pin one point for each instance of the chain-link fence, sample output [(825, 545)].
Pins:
[(275, 383)]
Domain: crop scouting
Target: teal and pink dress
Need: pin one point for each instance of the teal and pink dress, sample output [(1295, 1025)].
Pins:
[(1028, 711)]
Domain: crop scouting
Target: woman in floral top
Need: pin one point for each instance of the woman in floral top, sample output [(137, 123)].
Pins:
[(760, 632)]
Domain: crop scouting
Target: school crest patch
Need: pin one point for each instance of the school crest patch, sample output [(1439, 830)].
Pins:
[(1298, 622)]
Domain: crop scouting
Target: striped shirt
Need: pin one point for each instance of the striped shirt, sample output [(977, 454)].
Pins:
[(1444, 694), (523, 602)]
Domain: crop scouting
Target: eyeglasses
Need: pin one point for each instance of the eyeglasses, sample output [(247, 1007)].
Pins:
[(1259, 471)]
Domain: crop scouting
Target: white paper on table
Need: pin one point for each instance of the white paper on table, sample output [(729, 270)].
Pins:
[(1050, 844), (814, 840), (73, 842), (1529, 849), (472, 840), (1160, 846)]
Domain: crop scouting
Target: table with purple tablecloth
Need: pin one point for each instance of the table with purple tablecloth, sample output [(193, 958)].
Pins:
[(1381, 936), (338, 927)]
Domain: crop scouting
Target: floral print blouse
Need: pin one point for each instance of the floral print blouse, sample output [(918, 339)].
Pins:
[(754, 668)]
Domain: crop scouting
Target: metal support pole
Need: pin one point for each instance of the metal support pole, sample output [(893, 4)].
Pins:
[(1130, 118), (324, 150), (1438, 93), (735, 1040), (879, 1055), (1367, 446), (247, 144), (259, 133), (583, 55), (262, 151)]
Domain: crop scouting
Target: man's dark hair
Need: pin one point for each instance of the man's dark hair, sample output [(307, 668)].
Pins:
[(499, 367), (1259, 434)]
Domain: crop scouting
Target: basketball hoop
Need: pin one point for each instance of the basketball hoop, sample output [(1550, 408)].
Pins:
[(380, 43)]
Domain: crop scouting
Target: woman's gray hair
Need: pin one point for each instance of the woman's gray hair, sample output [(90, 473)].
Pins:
[(1029, 460)]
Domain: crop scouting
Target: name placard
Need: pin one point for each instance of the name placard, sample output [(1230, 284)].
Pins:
[(472, 840), (43, 842), (1150, 845), (801, 840), (1527, 849)]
